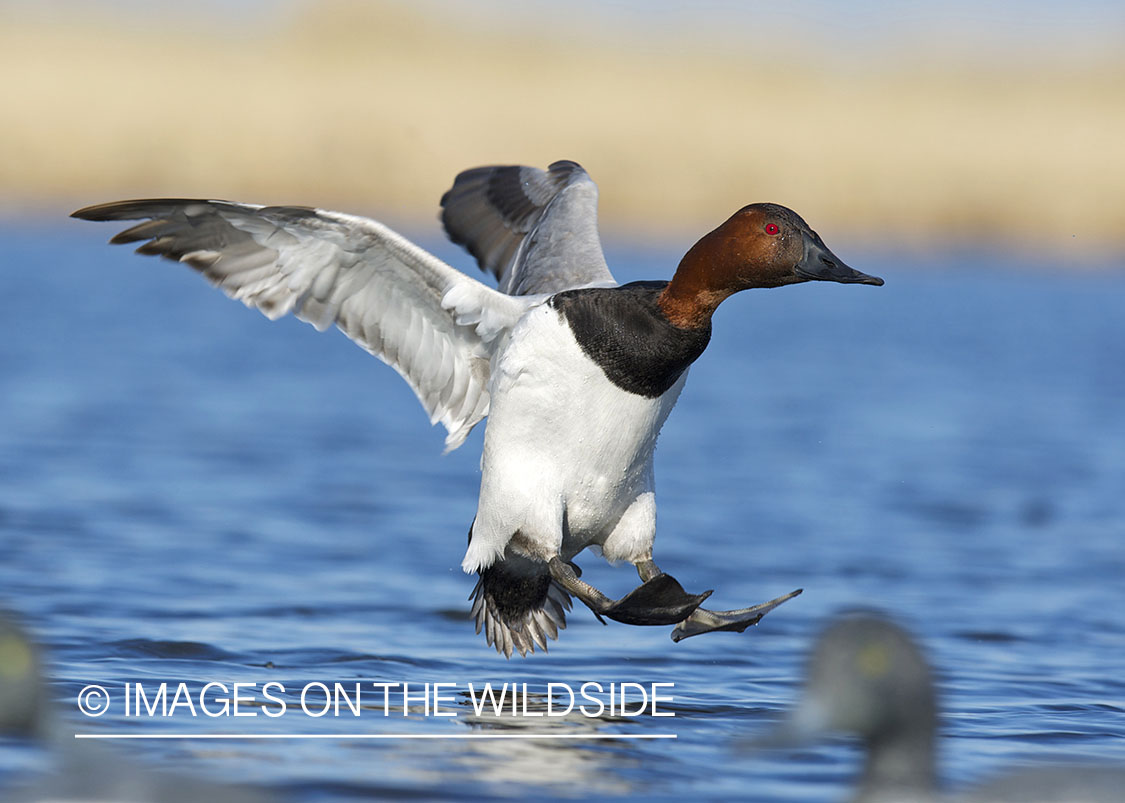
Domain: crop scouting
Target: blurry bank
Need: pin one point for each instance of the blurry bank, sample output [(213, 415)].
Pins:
[(888, 132)]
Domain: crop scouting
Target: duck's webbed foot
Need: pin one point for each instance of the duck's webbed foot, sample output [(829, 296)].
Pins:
[(659, 600), (702, 620)]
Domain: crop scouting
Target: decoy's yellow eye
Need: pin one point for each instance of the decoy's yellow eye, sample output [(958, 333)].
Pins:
[(772, 229)]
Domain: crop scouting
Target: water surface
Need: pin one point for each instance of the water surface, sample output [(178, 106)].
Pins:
[(190, 493)]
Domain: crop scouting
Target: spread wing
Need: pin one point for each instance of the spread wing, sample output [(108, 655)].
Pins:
[(535, 231), (433, 324)]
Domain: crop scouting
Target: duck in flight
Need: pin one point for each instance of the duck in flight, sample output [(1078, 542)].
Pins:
[(575, 373)]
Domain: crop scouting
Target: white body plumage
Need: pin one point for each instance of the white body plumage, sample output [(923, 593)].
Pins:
[(568, 455)]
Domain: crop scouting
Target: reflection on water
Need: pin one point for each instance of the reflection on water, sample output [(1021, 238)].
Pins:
[(191, 494), (567, 766)]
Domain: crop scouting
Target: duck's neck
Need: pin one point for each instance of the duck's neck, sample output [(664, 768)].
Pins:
[(704, 278), (901, 765)]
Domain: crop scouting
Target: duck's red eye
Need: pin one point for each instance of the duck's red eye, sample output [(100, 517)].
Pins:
[(772, 229)]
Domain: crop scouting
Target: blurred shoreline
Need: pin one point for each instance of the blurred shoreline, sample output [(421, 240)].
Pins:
[(373, 108)]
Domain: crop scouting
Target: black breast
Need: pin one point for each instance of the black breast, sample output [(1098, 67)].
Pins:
[(624, 331)]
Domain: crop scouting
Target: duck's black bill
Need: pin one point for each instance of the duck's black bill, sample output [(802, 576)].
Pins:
[(839, 272), (820, 264)]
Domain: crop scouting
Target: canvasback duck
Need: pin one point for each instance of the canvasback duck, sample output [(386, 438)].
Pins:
[(866, 677), (575, 373)]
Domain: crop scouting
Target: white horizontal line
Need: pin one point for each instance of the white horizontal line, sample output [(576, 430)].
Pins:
[(375, 736)]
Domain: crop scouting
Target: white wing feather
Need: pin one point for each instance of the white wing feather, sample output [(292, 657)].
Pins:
[(433, 324)]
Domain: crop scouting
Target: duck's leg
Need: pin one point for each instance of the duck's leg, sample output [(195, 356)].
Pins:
[(659, 600), (702, 620)]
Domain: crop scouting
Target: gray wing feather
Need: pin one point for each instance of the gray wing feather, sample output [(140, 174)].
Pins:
[(536, 231), (433, 324)]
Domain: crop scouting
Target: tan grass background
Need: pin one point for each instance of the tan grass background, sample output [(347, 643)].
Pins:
[(374, 107)]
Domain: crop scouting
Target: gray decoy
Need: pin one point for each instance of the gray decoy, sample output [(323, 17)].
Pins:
[(78, 771), (867, 678)]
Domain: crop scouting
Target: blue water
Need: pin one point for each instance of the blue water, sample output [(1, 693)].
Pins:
[(190, 493)]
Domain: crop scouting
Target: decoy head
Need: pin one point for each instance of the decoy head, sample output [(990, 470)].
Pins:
[(22, 695), (867, 678)]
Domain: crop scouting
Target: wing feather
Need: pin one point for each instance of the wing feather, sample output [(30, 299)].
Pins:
[(434, 325), (536, 231)]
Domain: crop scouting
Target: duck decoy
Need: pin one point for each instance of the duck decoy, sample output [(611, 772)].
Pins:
[(80, 771), (867, 678)]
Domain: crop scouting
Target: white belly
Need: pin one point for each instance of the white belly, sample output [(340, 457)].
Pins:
[(564, 444)]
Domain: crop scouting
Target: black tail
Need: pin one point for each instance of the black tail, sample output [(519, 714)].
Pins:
[(518, 605)]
